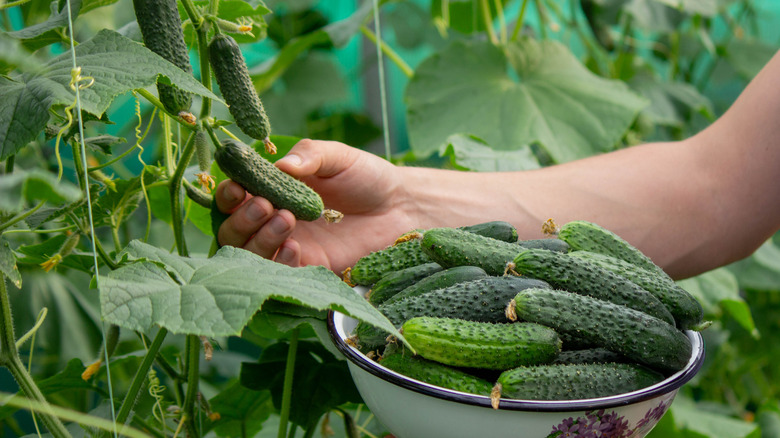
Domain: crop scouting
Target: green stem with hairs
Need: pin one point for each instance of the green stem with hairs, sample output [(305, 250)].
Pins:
[(9, 358), (140, 377), (192, 357), (289, 371)]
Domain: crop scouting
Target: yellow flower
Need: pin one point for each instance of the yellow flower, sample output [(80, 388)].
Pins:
[(206, 181), (53, 261)]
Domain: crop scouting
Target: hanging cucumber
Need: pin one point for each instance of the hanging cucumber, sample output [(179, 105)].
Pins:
[(236, 86), (160, 26), (260, 177)]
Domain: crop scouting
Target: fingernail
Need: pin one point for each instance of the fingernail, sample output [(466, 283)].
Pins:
[(292, 159), (254, 212), (232, 193), (285, 255), (278, 225)]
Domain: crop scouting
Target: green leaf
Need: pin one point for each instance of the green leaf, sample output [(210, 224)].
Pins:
[(470, 153), (14, 56), (749, 56), (693, 418), (707, 8), (39, 253), (21, 187), (670, 102), (217, 296), (237, 11), (8, 264), (556, 102), (117, 64), (242, 411), (303, 92), (57, 19), (277, 320), (718, 291), (119, 204), (320, 382), (760, 271)]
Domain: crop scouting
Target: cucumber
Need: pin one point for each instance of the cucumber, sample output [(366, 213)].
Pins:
[(435, 373), (451, 247), (394, 282), (636, 335), (372, 267), (482, 300), (407, 252), (575, 381), (573, 274), (587, 236), (161, 30), (203, 150), (589, 355), (551, 244), (500, 230), (686, 310), (232, 75), (439, 280), (260, 177), (470, 344)]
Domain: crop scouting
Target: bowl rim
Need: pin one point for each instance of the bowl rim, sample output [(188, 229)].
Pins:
[(666, 386)]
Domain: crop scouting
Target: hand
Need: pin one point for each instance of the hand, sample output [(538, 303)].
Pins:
[(365, 188)]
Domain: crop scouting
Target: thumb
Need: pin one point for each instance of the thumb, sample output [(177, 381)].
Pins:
[(317, 158)]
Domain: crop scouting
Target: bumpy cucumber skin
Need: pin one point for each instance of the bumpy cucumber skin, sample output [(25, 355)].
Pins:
[(575, 382), (589, 355), (439, 280), (573, 274), (260, 177), (482, 300), (394, 282), (160, 27), (453, 247), (435, 373), (236, 86), (685, 309), (499, 230), (636, 335), (587, 236), (372, 267), (491, 346), (551, 244)]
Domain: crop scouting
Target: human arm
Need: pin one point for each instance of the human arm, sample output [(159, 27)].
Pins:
[(691, 205)]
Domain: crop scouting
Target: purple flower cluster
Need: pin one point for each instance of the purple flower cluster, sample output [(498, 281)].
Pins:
[(601, 424)]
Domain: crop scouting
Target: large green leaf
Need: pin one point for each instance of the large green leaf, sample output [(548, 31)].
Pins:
[(217, 296), (470, 153), (58, 18), (242, 411), (670, 102), (21, 187), (760, 271), (697, 419), (321, 381), (718, 291), (116, 63), (468, 88)]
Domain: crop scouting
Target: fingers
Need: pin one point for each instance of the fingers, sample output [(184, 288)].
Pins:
[(257, 227), (319, 158), (229, 195)]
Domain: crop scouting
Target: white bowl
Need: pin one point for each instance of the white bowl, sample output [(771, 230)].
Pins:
[(413, 409)]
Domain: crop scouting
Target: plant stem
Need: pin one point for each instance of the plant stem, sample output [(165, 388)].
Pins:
[(284, 414), (488, 19), (9, 164), (174, 186), (9, 357), (156, 102), (140, 377), (192, 356), (20, 217), (543, 19), (389, 52)]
